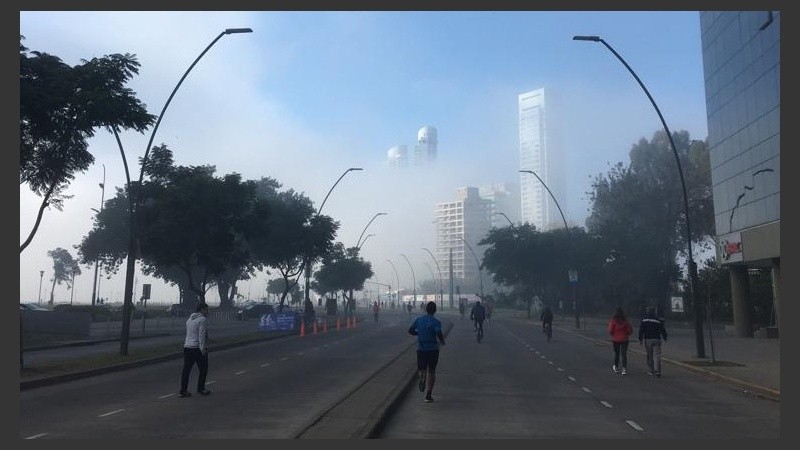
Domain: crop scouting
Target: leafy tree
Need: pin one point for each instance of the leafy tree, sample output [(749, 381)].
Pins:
[(64, 268), (297, 234), (60, 108), (343, 270), (277, 286)]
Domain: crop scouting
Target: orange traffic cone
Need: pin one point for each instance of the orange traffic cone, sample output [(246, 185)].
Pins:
[(302, 328), (315, 327)]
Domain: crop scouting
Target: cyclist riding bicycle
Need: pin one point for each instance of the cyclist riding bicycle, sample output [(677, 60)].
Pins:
[(478, 314), (547, 321)]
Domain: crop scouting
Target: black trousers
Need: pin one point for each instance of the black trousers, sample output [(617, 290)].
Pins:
[(192, 356), (621, 347)]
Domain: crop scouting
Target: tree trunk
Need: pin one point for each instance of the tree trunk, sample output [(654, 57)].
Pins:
[(52, 289), (45, 202), (225, 291)]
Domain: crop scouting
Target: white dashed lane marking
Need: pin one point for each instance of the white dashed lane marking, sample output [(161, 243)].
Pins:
[(550, 362), (587, 390), (241, 372), (300, 353), (167, 396), (606, 404), (284, 358), (634, 425), (559, 369), (571, 378), (112, 412), (211, 382), (265, 365), (35, 436)]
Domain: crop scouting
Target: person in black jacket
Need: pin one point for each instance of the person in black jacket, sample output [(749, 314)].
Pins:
[(651, 331)]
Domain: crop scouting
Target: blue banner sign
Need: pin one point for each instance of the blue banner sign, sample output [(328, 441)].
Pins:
[(277, 322)]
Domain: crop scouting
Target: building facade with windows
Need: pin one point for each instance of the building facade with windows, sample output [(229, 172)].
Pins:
[(741, 68), (465, 219)]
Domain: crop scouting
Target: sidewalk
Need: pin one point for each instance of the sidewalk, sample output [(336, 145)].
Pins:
[(752, 364)]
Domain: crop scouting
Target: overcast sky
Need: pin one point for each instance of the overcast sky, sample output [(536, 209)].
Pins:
[(309, 94)]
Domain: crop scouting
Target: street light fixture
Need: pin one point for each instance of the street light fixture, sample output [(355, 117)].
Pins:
[(441, 280), (566, 228), (133, 199), (365, 240), (504, 215), (697, 304), (41, 276), (358, 243), (306, 264), (398, 281), (413, 278), (480, 269)]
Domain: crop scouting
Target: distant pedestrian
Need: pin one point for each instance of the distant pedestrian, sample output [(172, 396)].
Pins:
[(619, 328), (652, 331), (195, 350), (427, 329)]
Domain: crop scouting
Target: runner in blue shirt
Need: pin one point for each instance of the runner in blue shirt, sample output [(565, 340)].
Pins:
[(427, 329)]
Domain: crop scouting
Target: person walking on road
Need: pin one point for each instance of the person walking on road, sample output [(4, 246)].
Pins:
[(619, 328), (478, 314), (651, 331), (195, 350), (427, 329)]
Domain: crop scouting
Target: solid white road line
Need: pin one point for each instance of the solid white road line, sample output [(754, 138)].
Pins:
[(571, 378), (112, 412), (35, 436), (587, 390), (241, 372), (634, 425), (167, 395), (606, 404)]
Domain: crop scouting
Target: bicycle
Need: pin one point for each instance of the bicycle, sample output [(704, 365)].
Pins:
[(547, 330)]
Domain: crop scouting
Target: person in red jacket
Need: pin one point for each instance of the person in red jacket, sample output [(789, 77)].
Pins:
[(619, 328)]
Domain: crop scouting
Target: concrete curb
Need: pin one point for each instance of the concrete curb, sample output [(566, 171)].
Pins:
[(71, 376), (748, 388)]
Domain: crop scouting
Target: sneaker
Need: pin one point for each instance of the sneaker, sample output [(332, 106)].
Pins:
[(651, 373), (184, 394), (614, 368), (421, 385), (428, 399), (624, 372), (204, 392), (658, 374)]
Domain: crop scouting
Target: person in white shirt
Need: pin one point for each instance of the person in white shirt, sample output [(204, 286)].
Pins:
[(195, 351)]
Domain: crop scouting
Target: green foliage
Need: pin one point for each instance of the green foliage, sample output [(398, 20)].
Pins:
[(342, 270), (64, 268)]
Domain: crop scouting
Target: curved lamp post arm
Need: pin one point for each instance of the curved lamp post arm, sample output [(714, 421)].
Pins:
[(480, 269), (413, 277), (441, 280), (364, 241), (334, 185), (358, 243), (398, 278), (551, 196), (692, 267), (504, 215)]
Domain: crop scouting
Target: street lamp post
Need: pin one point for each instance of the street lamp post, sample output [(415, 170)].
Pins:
[(365, 240), (133, 199), (413, 278), (504, 215), (398, 281), (441, 280), (480, 269), (307, 263), (41, 277), (692, 269), (358, 243), (566, 228), (97, 263)]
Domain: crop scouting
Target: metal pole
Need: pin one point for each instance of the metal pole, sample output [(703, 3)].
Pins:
[(451, 277), (359, 243), (480, 269), (710, 332), (692, 269), (399, 303), (413, 278), (41, 277), (132, 246), (441, 280), (97, 263)]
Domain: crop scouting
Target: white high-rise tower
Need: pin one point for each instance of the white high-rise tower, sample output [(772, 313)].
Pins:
[(427, 146)]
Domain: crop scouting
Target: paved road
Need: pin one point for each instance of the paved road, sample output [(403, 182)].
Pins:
[(516, 385), (271, 389)]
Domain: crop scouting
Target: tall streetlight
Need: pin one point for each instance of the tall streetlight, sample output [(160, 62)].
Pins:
[(566, 228), (398, 281), (358, 243), (696, 303), (441, 280), (413, 278), (365, 240), (480, 269), (97, 263), (41, 276), (504, 215), (307, 263), (133, 199)]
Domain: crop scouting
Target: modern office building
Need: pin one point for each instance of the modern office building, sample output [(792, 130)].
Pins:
[(427, 146), (741, 66), (503, 198), (466, 219), (538, 152)]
